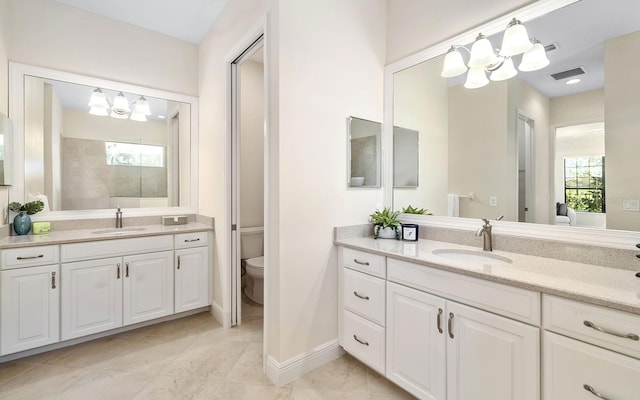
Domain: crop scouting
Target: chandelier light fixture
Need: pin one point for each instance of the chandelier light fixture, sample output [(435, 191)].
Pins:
[(483, 58), (100, 105)]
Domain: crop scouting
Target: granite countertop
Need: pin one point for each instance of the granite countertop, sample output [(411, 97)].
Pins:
[(609, 287), (90, 235)]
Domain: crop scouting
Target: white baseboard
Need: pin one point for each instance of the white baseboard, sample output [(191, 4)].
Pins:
[(298, 366), (223, 318)]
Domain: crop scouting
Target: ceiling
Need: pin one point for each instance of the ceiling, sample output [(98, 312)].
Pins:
[(188, 20)]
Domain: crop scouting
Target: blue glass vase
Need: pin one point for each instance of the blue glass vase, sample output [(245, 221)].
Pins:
[(22, 223)]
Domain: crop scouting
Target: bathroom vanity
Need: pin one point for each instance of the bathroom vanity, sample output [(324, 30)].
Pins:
[(447, 321), (69, 285)]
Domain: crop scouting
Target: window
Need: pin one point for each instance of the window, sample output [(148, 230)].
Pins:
[(136, 155), (584, 183)]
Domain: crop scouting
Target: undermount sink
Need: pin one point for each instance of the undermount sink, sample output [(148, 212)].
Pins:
[(117, 231), (472, 257)]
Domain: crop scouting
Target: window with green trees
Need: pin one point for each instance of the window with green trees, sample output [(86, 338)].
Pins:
[(584, 183)]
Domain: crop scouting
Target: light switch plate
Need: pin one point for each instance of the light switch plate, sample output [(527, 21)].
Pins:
[(631, 205)]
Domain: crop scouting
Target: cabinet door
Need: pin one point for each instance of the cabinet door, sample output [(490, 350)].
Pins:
[(91, 297), (29, 308), (416, 341), (576, 370), (147, 286), (192, 278), (490, 357)]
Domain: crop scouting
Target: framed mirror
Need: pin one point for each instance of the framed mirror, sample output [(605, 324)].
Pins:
[(505, 141), (86, 160), (364, 140), (5, 143)]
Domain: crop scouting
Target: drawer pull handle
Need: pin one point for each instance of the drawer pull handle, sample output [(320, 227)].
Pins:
[(30, 257), (126, 270), (358, 295), (450, 325), (591, 390), (178, 262), (439, 320), (118, 271), (360, 341), (191, 240), (631, 336), (355, 260), (53, 280)]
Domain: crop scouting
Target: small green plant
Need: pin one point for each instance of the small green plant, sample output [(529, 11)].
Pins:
[(386, 218), (30, 208), (410, 210)]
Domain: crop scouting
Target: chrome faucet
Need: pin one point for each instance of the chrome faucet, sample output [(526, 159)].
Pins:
[(485, 232), (118, 218)]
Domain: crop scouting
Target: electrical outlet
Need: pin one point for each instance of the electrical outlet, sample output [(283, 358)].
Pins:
[(493, 201)]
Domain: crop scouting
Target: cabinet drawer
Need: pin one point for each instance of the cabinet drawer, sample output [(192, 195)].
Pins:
[(571, 318), (569, 365), (193, 239), (117, 247), (364, 340), (372, 264), (29, 256), (519, 304), (364, 295)]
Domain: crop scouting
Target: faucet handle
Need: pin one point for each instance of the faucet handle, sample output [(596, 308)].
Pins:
[(486, 221), (500, 218)]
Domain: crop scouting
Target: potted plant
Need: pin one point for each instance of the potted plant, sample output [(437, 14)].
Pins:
[(22, 221), (386, 224), (410, 210)]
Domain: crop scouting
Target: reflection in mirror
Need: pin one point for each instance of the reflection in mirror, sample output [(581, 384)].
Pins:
[(78, 157), (505, 142), (5, 139), (405, 157), (364, 145)]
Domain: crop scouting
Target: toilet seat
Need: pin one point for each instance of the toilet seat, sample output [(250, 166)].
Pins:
[(255, 267)]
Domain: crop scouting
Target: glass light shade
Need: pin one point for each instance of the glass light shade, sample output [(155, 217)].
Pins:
[(506, 71), (141, 106), (121, 103), (453, 64), (98, 99), (515, 39), (534, 59), (118, 114), (99, 111), (136, 116), (476, 78), (482, 54)]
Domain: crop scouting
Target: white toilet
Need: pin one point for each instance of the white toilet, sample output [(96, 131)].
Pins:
[(251, 251)]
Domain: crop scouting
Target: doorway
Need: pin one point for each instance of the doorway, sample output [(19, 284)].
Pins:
[(525, 140), (247, 172)]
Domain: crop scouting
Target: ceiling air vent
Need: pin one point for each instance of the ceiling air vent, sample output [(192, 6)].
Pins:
[(550, 47), (568, 73)]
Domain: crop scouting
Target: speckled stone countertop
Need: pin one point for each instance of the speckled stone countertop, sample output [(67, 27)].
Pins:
[(610, 287), (90, 235)]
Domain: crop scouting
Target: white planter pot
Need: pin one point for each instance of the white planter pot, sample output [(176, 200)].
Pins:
[(384, 233)]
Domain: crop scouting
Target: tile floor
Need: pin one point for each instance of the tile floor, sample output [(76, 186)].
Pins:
[(190, 358)]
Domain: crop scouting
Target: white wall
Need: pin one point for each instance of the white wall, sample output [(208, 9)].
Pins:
[(420, 104), (577, 109), (48, 34), (252, 144), (413, 25), (316, 77)]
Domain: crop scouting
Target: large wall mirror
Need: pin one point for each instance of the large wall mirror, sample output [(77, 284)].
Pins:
[(524, 144), (82, 159)]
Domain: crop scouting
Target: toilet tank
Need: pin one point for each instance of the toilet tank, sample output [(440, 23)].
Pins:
[(251, 242)]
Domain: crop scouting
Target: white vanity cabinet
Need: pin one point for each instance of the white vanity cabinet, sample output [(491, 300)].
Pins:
[(29, 298), (590, 352), (441, 349), (362, 299), (191, 271), (106, 293)]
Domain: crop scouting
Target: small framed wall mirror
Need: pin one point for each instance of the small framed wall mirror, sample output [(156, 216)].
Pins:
[(5, 143), (363, 153)]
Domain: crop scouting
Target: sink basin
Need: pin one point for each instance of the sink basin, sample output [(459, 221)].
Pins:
[(472, 257), (117, 231)]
